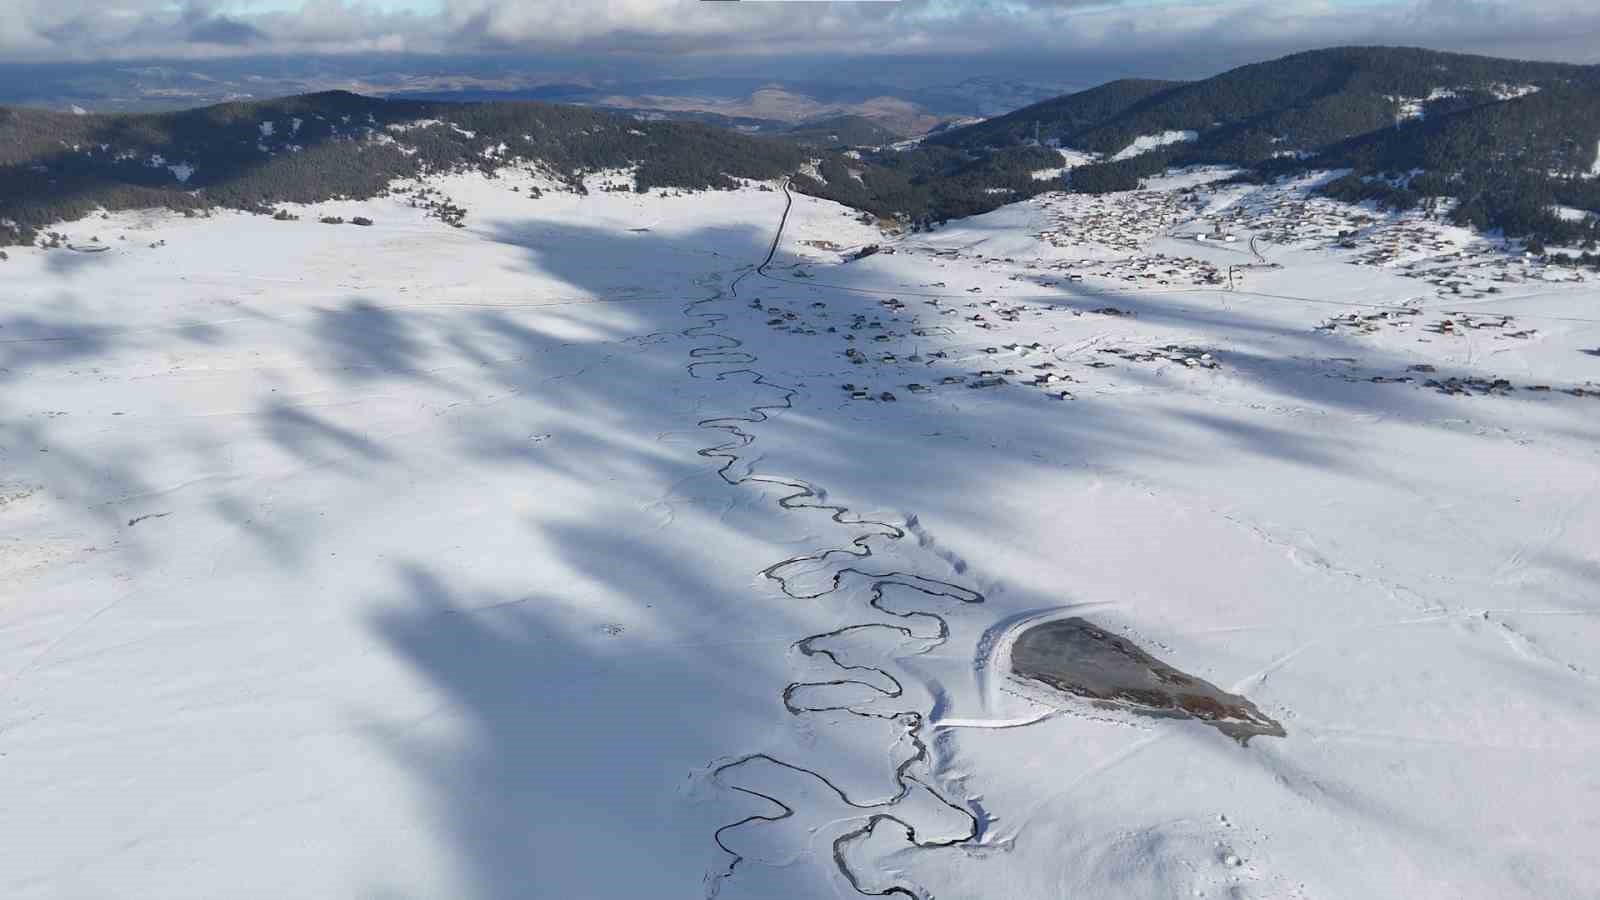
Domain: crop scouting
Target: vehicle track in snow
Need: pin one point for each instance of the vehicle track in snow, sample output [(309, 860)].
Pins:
[(727, 351)]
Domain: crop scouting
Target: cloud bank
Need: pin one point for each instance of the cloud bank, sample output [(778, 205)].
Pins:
[(1180, 37)]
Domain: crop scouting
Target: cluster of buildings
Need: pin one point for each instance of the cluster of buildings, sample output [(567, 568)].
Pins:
[(1150, 270), (1125, 221), (1414, 244), (1471, 270)]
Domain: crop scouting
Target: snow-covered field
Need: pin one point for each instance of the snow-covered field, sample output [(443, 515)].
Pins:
[(384, 562)]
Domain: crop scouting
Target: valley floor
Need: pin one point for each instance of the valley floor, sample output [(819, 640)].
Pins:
[(570, 555)]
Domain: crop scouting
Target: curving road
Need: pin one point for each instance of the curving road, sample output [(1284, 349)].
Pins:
[(725, 351)]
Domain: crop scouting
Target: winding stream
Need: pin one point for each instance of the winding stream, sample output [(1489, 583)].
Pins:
[(725, 351)]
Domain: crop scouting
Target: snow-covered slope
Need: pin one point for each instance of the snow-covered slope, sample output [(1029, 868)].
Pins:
[(1070, 159), (1147, 142), (386, 561)]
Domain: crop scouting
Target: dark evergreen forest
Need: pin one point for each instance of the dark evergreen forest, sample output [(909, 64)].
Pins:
[(55, 167)]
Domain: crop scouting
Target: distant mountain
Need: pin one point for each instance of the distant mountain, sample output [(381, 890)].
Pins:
[(981, 96), (903, 95), (843, 131), (779, 108)]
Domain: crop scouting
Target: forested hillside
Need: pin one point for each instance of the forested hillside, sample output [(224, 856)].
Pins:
[(931, 183), (250, 156), (1506, 165), (841, 131), (1505, 138), (1299, 103), (1061, 119), (1504, 141)]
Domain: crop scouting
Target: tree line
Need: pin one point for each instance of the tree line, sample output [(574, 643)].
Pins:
[(251, 156)]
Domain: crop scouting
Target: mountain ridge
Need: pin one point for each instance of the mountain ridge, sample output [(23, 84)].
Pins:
[(1505, 140), (254, 155)]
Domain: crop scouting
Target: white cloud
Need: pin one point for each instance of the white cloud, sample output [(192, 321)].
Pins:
[(1207, 34)]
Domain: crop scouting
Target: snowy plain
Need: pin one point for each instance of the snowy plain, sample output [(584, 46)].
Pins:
[(384, 562)]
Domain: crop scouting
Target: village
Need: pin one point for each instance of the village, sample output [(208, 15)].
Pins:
[(1137, 239), (942, 335), (921, 352), (1418, 244)]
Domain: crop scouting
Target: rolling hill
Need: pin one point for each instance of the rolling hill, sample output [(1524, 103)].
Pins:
[(1299, 103), (842, 131), (1061, 119), (56, 166), (1505, 140)]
